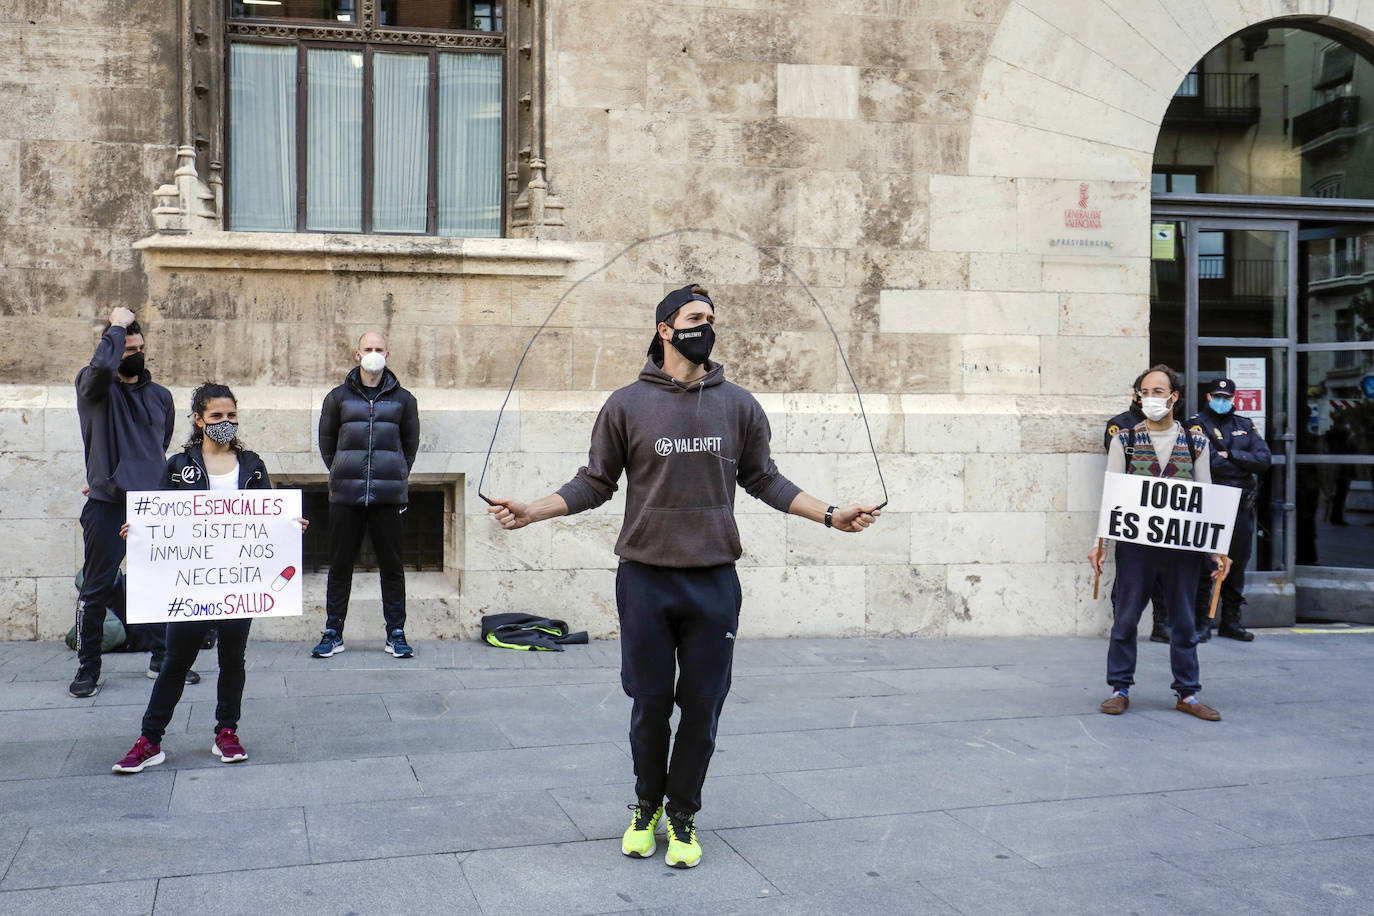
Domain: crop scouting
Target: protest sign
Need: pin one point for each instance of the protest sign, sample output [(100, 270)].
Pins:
[(213, 555), (1166, 512)]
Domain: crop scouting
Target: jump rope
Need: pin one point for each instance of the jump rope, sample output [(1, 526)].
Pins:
[(714, 233)]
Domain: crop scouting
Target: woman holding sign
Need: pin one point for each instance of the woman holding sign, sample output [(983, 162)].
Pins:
[(1157, 447), (212, 459)]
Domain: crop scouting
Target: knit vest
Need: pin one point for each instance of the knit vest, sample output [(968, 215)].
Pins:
[(1141, 457)]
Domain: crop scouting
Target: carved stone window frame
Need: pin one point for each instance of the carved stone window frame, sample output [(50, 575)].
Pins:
[(188, 204)]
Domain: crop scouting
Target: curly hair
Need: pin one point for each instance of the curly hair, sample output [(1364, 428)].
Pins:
[(203, 395)]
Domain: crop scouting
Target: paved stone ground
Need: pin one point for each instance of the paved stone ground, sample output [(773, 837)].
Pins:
[(852, 776)]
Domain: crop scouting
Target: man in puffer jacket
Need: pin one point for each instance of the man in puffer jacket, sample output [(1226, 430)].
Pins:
[(369, 434)]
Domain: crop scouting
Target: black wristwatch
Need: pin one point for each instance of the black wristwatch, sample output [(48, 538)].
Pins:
[(830, 517)]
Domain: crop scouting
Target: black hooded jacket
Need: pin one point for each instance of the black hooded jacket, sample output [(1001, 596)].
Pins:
[(125, 428), (186, 471), (369, 446)]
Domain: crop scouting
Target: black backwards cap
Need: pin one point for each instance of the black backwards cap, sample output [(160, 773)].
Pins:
[(666, 307)]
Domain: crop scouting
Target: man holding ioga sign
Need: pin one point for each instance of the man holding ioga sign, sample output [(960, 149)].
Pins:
[(1162, 532)]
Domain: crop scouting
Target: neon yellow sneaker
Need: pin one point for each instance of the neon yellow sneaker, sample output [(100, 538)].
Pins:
[(639, 838), (683, 849)]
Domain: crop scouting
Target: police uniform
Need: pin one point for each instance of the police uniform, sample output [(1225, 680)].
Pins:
[(1126, 420), (1247, 454)]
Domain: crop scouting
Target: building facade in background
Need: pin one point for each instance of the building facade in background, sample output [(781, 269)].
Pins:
[(1005, 209)]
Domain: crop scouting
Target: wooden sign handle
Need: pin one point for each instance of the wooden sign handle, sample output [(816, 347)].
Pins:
[(1097, 574), (1216, 593)]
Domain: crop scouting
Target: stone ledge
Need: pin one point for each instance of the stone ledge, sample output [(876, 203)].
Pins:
[(304, 251)]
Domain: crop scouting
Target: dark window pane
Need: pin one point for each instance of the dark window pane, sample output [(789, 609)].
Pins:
[(1183, 183), (1336, 289), (262, 137), (307, 10), (1335, 525), (1167, 300), (441, 14), (334, 141), (1339, 393), (1242, 283), (422, 538), (1261, 391), (1271, 522), (1275, 111)]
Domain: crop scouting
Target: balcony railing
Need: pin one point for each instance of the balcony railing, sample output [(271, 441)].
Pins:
[(1242, 278), (1322, 120), (1216, 99), (1341, 264)]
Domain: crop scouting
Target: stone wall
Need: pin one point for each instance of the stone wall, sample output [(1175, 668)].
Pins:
[(962, 185)]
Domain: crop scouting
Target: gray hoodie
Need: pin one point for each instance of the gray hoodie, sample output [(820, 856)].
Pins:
[(682, 447), (125, 428)]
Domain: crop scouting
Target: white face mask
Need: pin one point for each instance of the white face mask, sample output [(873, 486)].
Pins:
[(374, 362), (1155, 408)]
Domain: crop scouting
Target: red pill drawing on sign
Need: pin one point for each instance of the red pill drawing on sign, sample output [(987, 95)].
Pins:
[(286, 575)]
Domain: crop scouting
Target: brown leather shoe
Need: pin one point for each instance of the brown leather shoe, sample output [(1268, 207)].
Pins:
[(1114, 706), (1199, 709)]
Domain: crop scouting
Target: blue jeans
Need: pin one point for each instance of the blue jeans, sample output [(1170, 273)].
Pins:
[(1138, 569)]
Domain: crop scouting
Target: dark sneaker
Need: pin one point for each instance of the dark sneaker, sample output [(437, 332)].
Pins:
[(396, 644), (639, 839), (1159, 634), (143, 754), (331, 643), (683, 849), (85, 685), (155, 668), (227, 747)]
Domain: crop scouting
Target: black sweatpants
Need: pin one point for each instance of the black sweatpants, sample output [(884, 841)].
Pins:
[(183, 643), (677, 645), (383, 525), (100, 589)]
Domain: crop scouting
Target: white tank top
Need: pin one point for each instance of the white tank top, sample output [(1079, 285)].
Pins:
[(226, 481)]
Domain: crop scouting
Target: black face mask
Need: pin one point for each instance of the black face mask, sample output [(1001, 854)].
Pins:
[(695, 343), (131, 365)]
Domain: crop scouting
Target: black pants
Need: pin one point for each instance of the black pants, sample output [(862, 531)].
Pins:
[(100, 582), (183, 644), (1233, 586), (383, 526), (677, 645), (1138, 569)]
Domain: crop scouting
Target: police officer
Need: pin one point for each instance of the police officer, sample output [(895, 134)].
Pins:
[(1238, 452), (1129, 419)]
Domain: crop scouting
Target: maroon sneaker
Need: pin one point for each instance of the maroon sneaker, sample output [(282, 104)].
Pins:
[(227, 747), (143, 754)]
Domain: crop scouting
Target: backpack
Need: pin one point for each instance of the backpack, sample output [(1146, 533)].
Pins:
[(525, 631)]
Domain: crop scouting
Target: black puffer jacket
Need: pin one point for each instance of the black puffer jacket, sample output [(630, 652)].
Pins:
[(186, 471), (369, 446)]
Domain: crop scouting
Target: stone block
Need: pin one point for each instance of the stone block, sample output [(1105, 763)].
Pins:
[(1069, 536), (1104, 315), (906, 600), (22, 418), (896, 210), (1132, 51), (955, 424), (1082, 217), (55, 611), (895, 268), (607, 359), (886, 542), (39, 547), (832, 423), (515, 475), (583, 597), (802, 601), (1016, 483), (972, 214), (818, 91), (38, 485), (736, 89), (915, 483), (1013, 94), (1003, 148), (19, 608), (582, 542), (951, 311), (557, 421), (779, 360), (763, 536), (999, 364), (488, 546), (758, 204), (999, 271), (978, 537), (897, 363), (918, 96), (592, 27), (580, 134), (600, 81), (1090, 365), (645, 136), (1011, 599), (825, 213), (814, 472), (1085, 472)]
